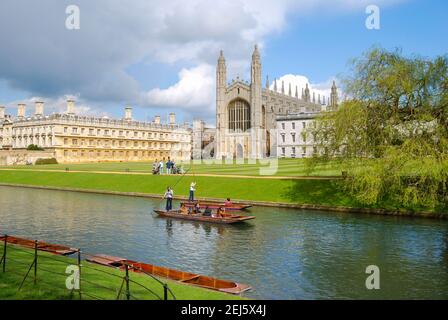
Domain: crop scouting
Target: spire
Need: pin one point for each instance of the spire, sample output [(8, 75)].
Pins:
[(283, 86), (256, 53), (256, 81), (334, 96), (275, 85), (307, 93), (303, 95), (267, 82), (318, 98), (324, 100), (289, 92), (297, 92), (221, 72), (314, 97)]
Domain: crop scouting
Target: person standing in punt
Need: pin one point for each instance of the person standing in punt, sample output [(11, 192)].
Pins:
[(169, 198), (192, 190)]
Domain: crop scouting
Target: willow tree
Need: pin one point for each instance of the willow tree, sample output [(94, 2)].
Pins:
[(391, 134)]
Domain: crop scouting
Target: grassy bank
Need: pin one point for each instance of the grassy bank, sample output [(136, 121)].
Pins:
[(97, 282), (286, 190)]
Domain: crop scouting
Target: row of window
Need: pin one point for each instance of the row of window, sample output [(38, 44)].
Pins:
[(293, 125), (293, 137), (109, 154), (294, 152), (121, 133), (115, 143)]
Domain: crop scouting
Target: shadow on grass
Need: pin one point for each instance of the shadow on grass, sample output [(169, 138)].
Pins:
[(319, 192)]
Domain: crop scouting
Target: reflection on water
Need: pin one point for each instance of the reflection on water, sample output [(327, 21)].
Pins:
[(283, 254)]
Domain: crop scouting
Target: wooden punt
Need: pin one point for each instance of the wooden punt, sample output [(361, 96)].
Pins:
[(228, 219), (42, 246), (172, 274), (217, 205)]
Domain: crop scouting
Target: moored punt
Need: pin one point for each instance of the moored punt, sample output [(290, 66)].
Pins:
[(217, 205), (172, 274), (42, 246), (228, 219)]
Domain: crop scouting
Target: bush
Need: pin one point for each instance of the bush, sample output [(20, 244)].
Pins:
[(34, 147), (46, 161)]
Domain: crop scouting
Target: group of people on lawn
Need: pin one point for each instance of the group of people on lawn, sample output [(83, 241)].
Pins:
[(168, 167), (169, 194)]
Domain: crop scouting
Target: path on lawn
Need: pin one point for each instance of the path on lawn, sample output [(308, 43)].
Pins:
[(186, 174)]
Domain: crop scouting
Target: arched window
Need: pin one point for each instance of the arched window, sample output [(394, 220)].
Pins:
[(239, 116)]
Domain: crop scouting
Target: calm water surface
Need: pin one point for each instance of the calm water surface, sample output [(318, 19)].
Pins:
[(283, 253)]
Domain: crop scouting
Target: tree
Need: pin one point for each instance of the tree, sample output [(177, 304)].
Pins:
[(33, 147), (391, 134)]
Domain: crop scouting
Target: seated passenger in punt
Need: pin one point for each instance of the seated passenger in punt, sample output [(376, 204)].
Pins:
[(207, 212), (183, 209), (220, 213), (197, 208), (228, 203)]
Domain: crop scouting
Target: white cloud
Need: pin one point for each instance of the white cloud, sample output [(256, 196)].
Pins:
[(41, 57), (323, 88), (195, 91)]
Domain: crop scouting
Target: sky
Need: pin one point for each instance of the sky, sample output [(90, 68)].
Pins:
[(160, 56)]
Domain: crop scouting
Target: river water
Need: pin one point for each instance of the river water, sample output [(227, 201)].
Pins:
[(282, 254)]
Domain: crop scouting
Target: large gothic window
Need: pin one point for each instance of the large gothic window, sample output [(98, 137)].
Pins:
[(239, 116)]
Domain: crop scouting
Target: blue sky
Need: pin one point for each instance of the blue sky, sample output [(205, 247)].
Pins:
[(160, 57)]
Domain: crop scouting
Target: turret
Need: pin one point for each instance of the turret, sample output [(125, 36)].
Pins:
[(2, 112), (256, 106)]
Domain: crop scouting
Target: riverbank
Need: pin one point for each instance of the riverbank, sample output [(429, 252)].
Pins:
[(97, 283), (292, 193)]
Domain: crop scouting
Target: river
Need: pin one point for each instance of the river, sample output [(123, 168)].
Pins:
[(282, 254)]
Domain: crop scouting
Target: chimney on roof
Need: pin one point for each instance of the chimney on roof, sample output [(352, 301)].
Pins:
[(157, 119), (70, 106), (21, 111), (39, 111), (128, 113), (172, 118)]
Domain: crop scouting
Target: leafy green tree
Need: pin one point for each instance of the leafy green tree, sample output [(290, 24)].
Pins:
[(391, 134)]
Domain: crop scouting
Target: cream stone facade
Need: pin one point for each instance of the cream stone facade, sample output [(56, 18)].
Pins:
[(246, 112), (75, 138)]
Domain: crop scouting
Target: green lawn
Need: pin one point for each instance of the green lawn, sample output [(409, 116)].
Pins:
[(329, 192), (284, 167), (277, 190), (97, 282)]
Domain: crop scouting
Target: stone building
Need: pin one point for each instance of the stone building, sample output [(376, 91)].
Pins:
[(75, 138), (294, 139), (246, 112), (203, 140)]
